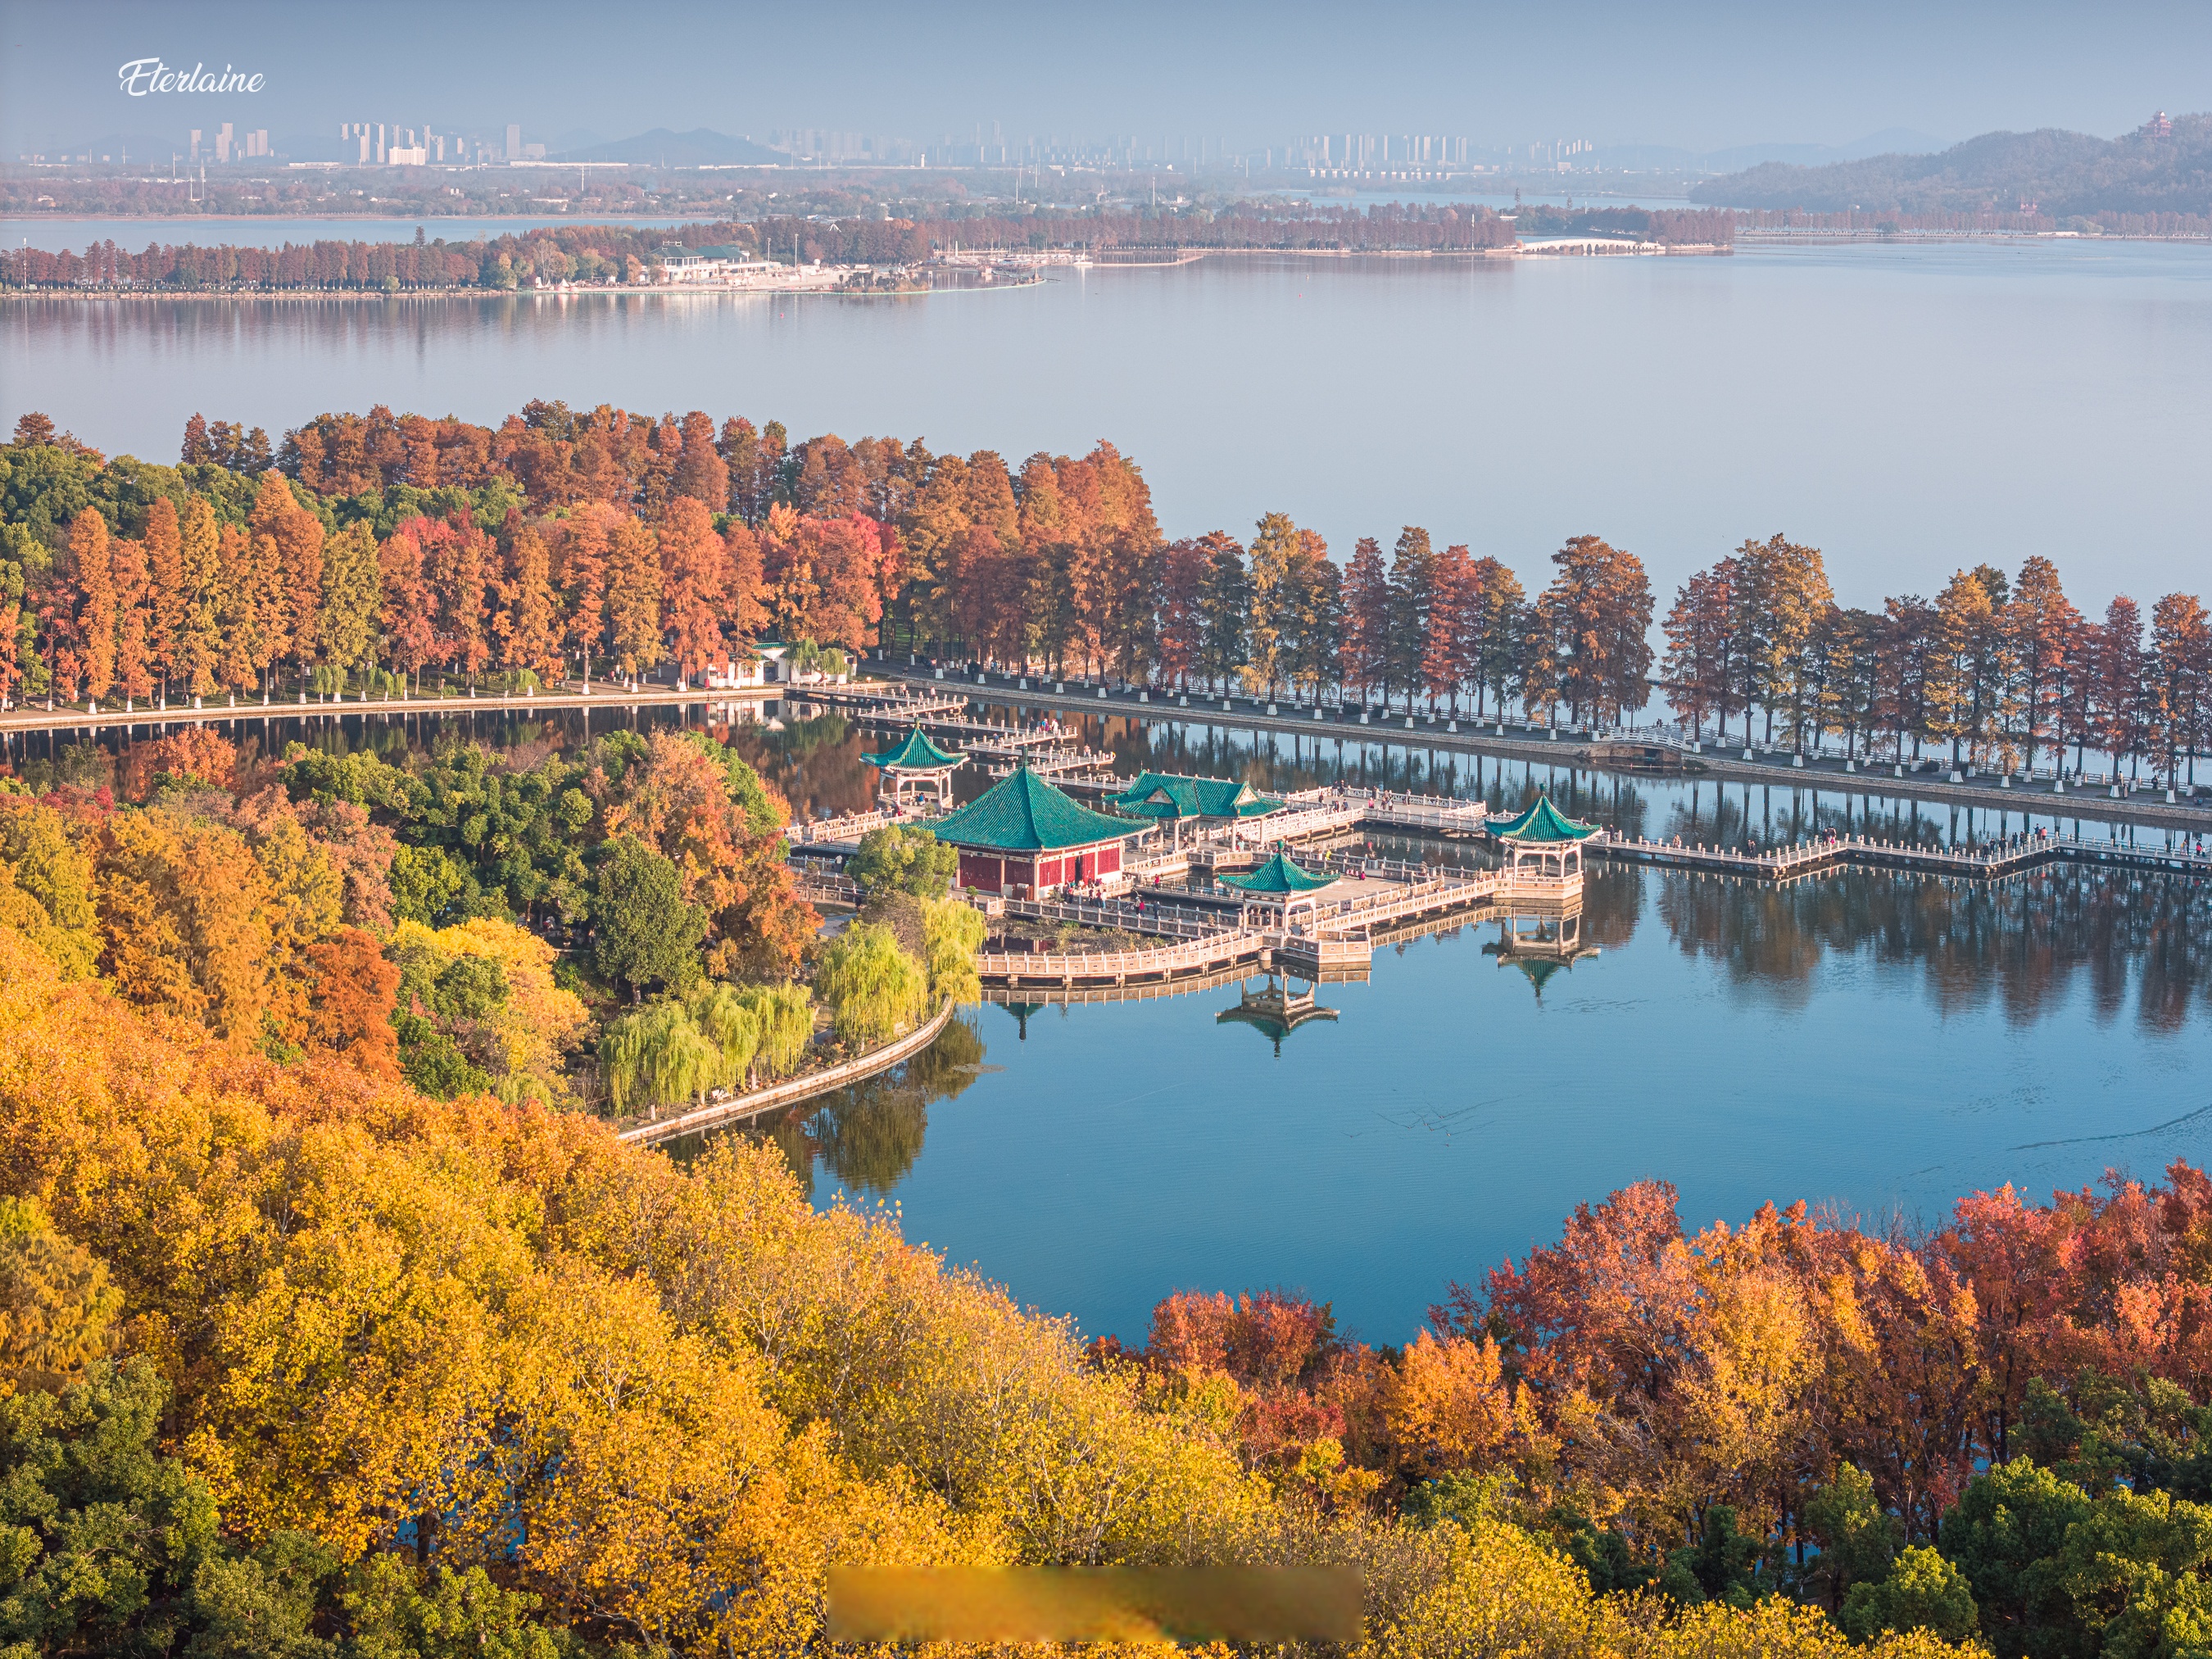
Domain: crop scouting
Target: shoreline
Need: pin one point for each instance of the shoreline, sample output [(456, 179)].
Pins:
[(352, 296)]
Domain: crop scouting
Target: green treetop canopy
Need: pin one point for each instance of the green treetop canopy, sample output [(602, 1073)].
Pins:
[(1171, 795), (917, 753), (1542, 822), (1279, 875), (1023, 813)]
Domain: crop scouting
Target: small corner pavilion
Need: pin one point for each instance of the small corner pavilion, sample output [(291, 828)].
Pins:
[(1543, 849), (1025, 839), (1173, 800), (916, 764), (1280, 888)]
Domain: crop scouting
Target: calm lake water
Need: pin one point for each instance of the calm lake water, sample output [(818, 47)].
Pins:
[(1907, 409), (1878, 1043), (1883, 1044)]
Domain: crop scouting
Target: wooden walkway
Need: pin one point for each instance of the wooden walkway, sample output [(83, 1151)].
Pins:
[(1054, 762), (1207, 954), (1813, 858), (1402, 892)]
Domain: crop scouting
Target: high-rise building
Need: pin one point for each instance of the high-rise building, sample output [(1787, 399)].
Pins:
[(222, 142), (195, 143), (513, 142)]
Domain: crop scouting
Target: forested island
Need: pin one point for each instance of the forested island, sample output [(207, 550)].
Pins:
[(610, 255)]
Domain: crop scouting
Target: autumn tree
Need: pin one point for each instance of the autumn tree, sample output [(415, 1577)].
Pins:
[(1699, 667), (461, 564), (409, 611), (2117, 705), (197, 652), (1597, 611), (527, 625), (134, 663), (701, 474), (2181, 680), (167, 598), (634, 598), (1366, 642), (90, 571), (1273, 625), (1182, 611), (347, 618), (295, 572)]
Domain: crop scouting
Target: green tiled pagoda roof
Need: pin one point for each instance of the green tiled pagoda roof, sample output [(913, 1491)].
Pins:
[(1542, 822), (1023, 813), (917, 753), (1279, 875), (1171, 794)]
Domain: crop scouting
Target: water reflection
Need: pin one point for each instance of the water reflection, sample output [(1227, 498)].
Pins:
[(1275, 1010), (2024, 942), (867, 1136)]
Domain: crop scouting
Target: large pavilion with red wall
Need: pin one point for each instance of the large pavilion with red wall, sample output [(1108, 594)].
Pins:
[(1025, 839)]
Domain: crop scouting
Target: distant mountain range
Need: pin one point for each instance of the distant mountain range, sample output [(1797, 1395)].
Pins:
[(2157, 168), (1665, 158), (661, 148)]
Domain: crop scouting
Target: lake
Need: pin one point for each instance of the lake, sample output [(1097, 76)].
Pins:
[(1908, 409), (1880, 1043), (1877, 1043)]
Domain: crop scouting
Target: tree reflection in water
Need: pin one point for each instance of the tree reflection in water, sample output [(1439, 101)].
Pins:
[(2026, 941), (869, 1135)]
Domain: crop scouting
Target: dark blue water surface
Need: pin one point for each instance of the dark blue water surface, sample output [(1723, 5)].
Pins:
[(1882, 1044)]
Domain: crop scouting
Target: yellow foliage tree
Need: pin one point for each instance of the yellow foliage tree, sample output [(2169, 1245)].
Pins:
[(537, 1023)]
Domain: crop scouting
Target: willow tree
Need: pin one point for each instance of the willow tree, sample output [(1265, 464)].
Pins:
[(952, 934), (871, 988), (657, 1057)]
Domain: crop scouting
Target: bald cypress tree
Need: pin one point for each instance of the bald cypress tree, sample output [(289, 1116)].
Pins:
[(1366, 651), (165, 588), (352, 596), (89, 573), (196, 649)]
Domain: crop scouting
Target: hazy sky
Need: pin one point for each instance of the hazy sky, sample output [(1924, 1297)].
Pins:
[(1699, 75)]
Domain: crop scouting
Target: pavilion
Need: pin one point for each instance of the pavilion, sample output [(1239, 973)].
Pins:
[(1543, 850), (917, 764), (1281, 887), (1173, 800), (1025, 839)]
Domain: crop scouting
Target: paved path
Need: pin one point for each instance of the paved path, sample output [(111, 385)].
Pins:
[(66, 720), (1541, 744)]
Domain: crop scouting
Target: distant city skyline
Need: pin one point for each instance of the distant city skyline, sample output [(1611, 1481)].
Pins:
[(1695, 79)]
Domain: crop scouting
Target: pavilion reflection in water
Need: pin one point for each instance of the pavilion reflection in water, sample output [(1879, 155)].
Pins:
[(1540, 940), (1275, 1010)]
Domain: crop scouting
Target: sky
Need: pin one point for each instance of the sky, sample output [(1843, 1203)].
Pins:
[(1700, 76)]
